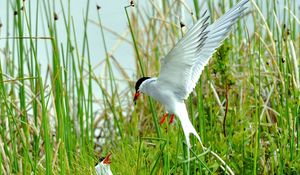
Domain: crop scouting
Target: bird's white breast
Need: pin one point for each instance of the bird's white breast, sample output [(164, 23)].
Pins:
[(161, 94)]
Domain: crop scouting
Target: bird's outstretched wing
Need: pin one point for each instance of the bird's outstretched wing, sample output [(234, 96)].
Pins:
[(182, 66)]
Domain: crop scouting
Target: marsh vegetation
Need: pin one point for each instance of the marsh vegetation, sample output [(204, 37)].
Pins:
[(50, 110)]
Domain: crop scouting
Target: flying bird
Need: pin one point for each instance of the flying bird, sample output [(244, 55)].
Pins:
[(103, 168), (182, 66)]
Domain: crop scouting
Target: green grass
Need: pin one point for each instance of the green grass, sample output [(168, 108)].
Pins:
[(49, 113)]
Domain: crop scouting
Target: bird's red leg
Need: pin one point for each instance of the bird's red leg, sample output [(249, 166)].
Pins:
[(171, 119), (163, 118)]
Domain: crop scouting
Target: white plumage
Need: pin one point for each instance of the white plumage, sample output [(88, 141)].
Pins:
[(103, 168), (182, 66)]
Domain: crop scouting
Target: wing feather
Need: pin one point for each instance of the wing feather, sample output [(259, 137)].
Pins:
[(182, 66)]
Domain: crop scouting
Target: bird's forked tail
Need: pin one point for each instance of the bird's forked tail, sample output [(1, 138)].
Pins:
[(186, 124)]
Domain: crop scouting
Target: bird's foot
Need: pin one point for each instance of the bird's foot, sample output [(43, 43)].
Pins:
[(163, 118), (172, 118)]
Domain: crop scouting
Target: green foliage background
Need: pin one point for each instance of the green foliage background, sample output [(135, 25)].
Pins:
[(48, 122)]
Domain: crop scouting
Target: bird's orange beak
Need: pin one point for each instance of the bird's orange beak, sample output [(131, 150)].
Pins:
[(136, 96), (107, 159)]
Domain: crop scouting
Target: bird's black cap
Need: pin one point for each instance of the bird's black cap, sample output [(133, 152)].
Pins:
[(139, 82), (100, 160)]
